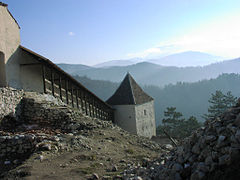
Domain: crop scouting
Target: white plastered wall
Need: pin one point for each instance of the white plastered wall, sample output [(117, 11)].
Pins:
[(9, 36), (124, 117), (145, 119), (27, 77), (9, 33)]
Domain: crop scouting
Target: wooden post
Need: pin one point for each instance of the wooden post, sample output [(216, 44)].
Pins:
[(93, 108), (77, 98), (89, 105), (82, 96), (72, 95), (52, 81), (85, 100), (97, 115), (60, 86), (101, 112), (66, 86), (43, 77)]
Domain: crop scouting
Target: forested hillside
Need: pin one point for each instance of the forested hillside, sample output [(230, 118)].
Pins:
[(188, 98), (152, 74)]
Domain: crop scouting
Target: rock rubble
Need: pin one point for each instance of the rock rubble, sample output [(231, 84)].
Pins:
[(211, 152)]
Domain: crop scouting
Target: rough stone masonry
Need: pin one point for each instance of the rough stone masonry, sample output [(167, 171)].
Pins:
[(10, 102), (22, 114), (212, 152)]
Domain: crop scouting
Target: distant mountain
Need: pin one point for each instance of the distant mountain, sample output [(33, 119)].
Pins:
[(188, 58), (73, 68), (118, 63), (152, 74)]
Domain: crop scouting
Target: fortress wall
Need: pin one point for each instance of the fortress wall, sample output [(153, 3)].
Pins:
[(124, 117), (145, 119), (9, 102), (9, 33)]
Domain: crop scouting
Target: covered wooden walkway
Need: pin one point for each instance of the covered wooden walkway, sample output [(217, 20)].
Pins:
[(60, 84)]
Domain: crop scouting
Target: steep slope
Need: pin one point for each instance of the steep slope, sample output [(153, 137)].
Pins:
[(54, 141)]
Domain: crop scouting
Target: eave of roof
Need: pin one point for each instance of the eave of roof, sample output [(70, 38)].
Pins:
[(49, 63)]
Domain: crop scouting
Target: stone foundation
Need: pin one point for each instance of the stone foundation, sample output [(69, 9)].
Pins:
[(10, 102)]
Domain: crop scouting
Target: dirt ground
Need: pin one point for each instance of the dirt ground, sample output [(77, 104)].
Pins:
[(104, 151)]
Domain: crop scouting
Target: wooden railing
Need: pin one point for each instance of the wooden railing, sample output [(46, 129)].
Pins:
[(73, 93)]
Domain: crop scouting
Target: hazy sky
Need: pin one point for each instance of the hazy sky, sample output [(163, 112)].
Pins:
[(93, 31)]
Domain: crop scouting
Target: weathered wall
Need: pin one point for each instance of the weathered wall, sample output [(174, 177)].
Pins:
[(124, 117), (27, 77), (9, 102), (145, 119), (9, 33), (9, 36)]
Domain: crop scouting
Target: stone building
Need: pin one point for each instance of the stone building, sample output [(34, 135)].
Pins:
[(134, 109)]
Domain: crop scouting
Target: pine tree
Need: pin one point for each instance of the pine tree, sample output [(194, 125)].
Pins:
[(219, 103), (175, 125), (172, 118)]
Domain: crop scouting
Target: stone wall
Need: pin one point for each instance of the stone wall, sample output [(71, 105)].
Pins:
[(145, 119), (32, 113), (10, 102), (125, 117), (211, 152), (18, 144)]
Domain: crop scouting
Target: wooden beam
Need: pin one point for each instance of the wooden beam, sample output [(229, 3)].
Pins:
[(30, 64), (81, 97), (93, 108), (66, 90), (72, 95), (52, 81), (85, 101), (43, 78), (60, 86), (77, 98), (89, 105)]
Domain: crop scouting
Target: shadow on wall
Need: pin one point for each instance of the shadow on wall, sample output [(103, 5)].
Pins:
[(24, 71), (13, 76), (2, 70), (12, 120)]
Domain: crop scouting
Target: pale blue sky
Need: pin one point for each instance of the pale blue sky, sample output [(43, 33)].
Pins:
[(94, 31)]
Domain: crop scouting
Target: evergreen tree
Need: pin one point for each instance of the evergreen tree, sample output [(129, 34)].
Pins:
[(172, 119), (219, 103), (175, 125)]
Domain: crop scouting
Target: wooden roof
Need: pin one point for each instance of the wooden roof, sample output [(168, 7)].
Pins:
[(129, 93)]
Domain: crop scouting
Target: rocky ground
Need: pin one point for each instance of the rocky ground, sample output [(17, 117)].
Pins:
[(49, 140), (212, 152), (81, 148)]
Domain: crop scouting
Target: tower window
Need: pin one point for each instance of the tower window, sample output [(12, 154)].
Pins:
[(145, 112)]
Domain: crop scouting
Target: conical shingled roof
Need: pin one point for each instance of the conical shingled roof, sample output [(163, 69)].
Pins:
[(129, 92)]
